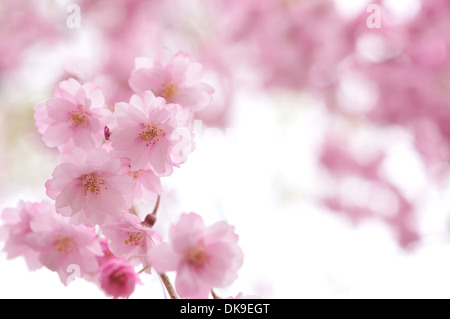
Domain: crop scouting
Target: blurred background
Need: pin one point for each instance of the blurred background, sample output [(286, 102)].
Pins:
[(327, 145)]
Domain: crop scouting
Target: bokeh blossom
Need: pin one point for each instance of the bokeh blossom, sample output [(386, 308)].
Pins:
[(203, 257)]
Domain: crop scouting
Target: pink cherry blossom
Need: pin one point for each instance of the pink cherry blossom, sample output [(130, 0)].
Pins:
[(177, 81), (61, 245), (147, 133), (118, 278), (130, 239), (90, 191), (204, 257), (17, 228), (75, 116), (147, 184)]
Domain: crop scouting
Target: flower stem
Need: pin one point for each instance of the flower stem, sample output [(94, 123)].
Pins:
[(155, 210), (168, 285), (213, 293), (143, 269)]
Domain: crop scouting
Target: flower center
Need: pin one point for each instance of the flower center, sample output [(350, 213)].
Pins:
[(135, 174), (197, 255), (168, 91), (134, 239), (64, 244), (79, 118), (93, 183), (151, 134), (118, 279)]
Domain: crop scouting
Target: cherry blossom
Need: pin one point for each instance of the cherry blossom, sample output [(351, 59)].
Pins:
[(130, 239), (76, 116), (17, 228), (177, 81), (117, 278), (60, 245), (204, 257), (92, 190), (147, 133), (147, 184)]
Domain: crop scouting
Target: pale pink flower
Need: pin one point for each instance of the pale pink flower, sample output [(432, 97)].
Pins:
[(91, 190), (75, 116), (130, 239), (204, 257), (118, 278), (147, 133), (148, 185), (61, 245), (17, 227), (177, 81)]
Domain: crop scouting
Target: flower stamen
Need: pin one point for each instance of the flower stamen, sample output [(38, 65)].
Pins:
[(151, 134), (93, 183), (168, 91), (64, 244), (79, 118)]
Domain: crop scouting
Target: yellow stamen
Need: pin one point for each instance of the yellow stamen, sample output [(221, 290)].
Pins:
[(151, 134), (168, 91), (93, 183)]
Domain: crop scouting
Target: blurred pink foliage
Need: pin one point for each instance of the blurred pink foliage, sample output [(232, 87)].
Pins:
[(299, 46)]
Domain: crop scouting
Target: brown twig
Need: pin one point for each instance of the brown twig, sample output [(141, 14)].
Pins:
[(155, 210), (215, 296), (168, 285), (143, 269)]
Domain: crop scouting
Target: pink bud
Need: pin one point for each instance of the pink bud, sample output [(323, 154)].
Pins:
[(118, 278)]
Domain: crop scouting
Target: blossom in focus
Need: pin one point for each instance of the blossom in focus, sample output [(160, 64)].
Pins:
[(91, 190), (204, 257), (76, 116), (129, 239), (147, 133), (177, 81)]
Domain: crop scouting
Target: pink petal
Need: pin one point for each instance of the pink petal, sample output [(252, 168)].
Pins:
[(163, 258), (57, 134), (186, 233), (187, 284), (159, 156), (59, 109)]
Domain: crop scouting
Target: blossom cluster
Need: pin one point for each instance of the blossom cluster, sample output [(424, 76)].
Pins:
[(112, 157)]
